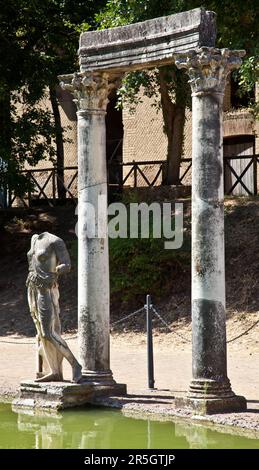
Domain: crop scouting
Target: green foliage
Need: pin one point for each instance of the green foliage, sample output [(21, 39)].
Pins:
[(139, 266), (38, 41), (249, 73), (131, 85), (247, 77), (167, 86), (122, 12), (237, 25), (238, 28), (32, 136)]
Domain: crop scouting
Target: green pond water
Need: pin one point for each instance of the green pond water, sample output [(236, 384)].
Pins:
[(108, 429)]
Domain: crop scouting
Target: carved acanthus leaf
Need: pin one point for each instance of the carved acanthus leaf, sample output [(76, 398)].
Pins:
[(89, 89), (209, 67)]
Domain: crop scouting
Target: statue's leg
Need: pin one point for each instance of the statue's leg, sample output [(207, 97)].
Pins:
[(57, 325), (52, 338), (44, 321), (39, 358), (55, 356), (41, 361), (55, 374)]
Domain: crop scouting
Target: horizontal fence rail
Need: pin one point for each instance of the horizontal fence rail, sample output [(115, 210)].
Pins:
[(53, 184)]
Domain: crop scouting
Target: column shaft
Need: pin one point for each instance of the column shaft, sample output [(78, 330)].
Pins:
[(91, 96), (93, 258), (208, 261), (210, 389)]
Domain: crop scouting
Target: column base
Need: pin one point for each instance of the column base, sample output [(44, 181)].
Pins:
[(96, 377), (209, 388), (56, 396), (203, 406), (208, 396)]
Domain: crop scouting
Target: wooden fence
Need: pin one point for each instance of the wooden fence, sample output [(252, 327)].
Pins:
[(136, 172), (242, 176), (43, 183)]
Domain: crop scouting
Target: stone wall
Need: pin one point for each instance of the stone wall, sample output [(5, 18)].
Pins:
[(144, 138)]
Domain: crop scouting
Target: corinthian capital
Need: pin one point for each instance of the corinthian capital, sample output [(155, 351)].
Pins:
[(89, 89), (208, 67)]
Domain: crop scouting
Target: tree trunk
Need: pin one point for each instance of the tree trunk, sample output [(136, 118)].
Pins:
[(59, 144), (175, 146), (174, 119)]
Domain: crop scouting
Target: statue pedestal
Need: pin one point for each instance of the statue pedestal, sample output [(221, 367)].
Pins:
[(56, 396)]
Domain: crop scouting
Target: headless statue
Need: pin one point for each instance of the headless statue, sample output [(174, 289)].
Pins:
[(48, 259)]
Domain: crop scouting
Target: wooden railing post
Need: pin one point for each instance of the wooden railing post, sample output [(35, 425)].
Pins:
[(255, 174), (135, 172), (29, 188), (54, 185)]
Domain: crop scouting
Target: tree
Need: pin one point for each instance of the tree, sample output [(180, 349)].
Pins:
[(237, 28), (38, 40), (17, 74), (68, 18), (167, 85)]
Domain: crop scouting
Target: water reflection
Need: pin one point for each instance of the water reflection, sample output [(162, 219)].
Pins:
[(201, 437), (196, 436), (94, 429), (105, 428)]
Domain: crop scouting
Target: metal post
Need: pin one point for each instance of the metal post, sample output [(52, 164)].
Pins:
[(150, 354)]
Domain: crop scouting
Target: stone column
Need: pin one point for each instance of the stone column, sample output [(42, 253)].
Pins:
[(91, 96), (210, 389)]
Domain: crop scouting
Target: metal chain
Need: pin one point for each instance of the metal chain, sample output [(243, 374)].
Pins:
[(33, 342), (142, 309), (128, 316), (244, 332), (168, 327), (189, 341), (74, 336), (16, 342)]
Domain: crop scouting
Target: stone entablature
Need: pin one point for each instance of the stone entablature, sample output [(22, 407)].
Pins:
[(147, 44)]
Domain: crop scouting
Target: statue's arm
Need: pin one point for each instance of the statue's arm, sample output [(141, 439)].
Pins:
[(30, 252), (64, 263)]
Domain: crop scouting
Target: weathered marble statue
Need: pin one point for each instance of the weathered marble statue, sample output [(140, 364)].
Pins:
[(48, 259)]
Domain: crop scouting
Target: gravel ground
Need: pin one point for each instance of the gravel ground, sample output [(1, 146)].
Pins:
[(172, 374)]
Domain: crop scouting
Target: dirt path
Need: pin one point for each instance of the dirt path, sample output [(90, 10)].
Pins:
[(128, 362)]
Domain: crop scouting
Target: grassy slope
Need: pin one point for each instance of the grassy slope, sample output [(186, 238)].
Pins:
[(137, 267)]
